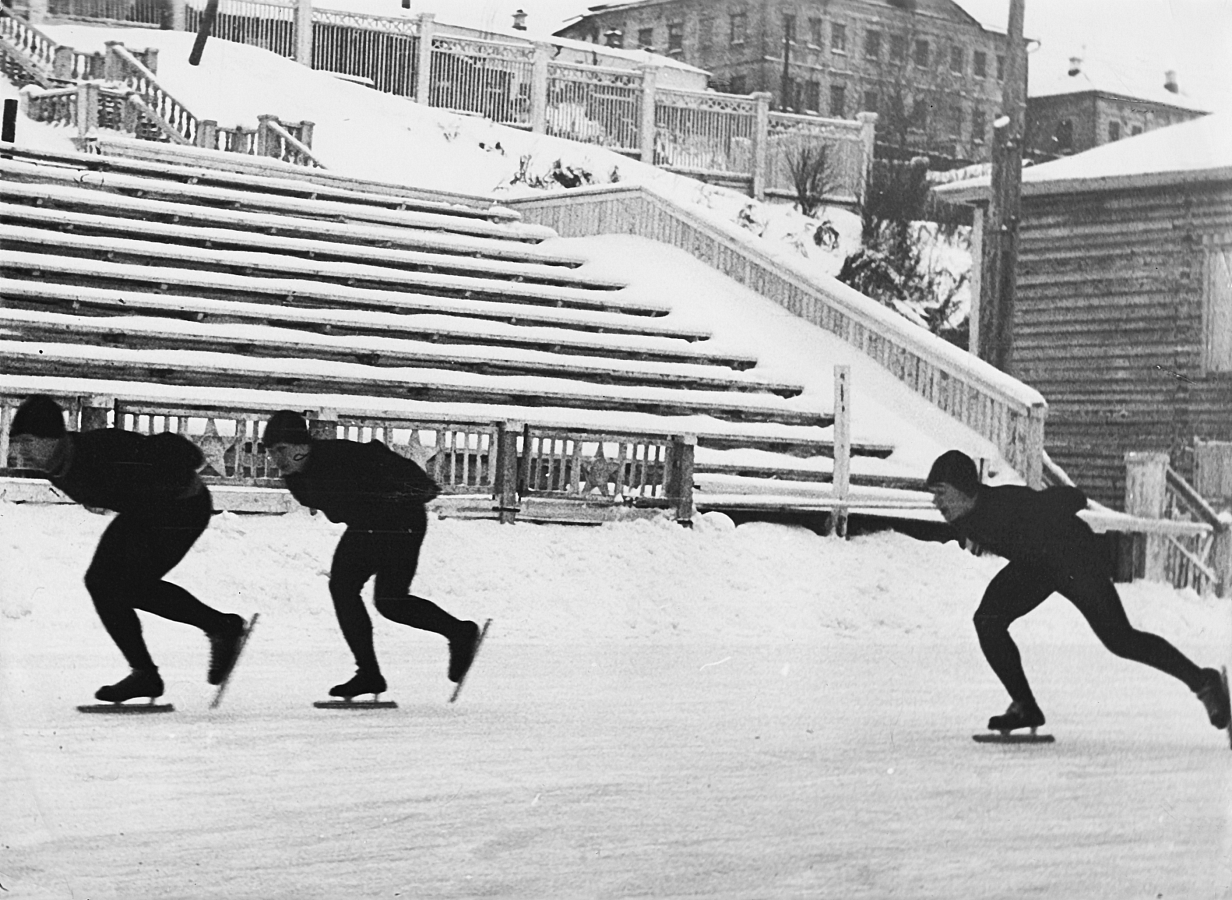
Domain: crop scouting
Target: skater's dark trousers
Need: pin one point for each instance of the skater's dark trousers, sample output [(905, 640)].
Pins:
[(1019, 588), (392, 557), (126, 574)]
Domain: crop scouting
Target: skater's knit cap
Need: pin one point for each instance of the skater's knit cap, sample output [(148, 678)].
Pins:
[(955, 468), (286, 427), (38, 416)]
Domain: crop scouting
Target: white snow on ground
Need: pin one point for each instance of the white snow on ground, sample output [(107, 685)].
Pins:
[(724, 712)]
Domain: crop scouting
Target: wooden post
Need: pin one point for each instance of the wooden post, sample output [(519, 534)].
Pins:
[(176, 19), (761, 143), (647, 129), (207, 134), (62, 64), (87, 108), (505, 483), (679, 481), (36, 11), (6, 418), (539, 87), (267, 141), (1000, 239), (842, 447), (975, 317), (423, 67), (303, 32), (94, 412), (1146, 494), (323, 426), (113, 66)]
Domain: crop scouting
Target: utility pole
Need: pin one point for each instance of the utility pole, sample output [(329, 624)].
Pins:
[(1000, 224)]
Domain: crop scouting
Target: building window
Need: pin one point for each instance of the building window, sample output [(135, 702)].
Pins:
[(979, 63), (705, 33), (789, 28), (1217, 356), (738, 85), (675, 37), (838, 101), (954, 120), (898, 48), (1114, 131), (956, 60), (1000, 67), (614, 38), (645, 38), (739, 28), (812, 96), (1065, 136), (815, 32), (872, 45), (870, 101), (918, 120), (979, 126), (838, 38), (921, 54), (1136, 130)]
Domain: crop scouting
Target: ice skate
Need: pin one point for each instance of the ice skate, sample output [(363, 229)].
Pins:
[(1019, 715), (462, 651), (1214, 696), (144, 684), (362, 683), (225, 649)]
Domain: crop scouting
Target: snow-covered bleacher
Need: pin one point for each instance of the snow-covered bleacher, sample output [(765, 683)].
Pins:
[(168, 295)]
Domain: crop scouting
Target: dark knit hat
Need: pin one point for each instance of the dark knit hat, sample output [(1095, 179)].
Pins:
[(286, 427), (955, 468), (38, 416)]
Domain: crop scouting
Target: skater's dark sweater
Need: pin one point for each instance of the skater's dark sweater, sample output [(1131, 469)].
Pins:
[(367, 486), (1029, 526), (127, 472)]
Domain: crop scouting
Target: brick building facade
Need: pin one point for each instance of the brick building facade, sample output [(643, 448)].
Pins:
[(929, 70)]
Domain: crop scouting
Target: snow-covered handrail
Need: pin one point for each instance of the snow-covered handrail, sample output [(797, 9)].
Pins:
[(1002, 409)]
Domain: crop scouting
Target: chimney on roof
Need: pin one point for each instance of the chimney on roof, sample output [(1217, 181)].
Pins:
[(1075, 65), (519, 20), (1170, 83)]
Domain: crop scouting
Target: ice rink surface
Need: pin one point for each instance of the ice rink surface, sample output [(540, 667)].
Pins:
[(820, 763)]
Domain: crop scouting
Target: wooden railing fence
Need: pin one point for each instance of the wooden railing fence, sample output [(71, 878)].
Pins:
[(507, 461)]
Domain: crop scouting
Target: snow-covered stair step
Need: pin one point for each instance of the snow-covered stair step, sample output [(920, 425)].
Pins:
[(774, 437), (565, 339), (603, 312), (249, 200), (197, 368), (69, 196), (400, 262), (867, 470), (196, 165), (148, 333), (154, 253)]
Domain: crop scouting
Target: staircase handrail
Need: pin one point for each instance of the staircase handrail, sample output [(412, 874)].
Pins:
[(123, 66), (34, 50), (303, 151)]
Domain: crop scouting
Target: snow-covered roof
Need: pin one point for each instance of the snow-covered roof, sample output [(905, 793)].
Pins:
[(1196, 151), (1101, 77)]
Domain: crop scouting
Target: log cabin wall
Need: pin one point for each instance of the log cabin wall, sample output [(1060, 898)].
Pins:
[(1122, 299)]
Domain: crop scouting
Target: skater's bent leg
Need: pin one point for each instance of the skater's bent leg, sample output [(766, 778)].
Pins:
[(350, 570), (1012, 593), (107, 583), (1100, 604), (393, 583)]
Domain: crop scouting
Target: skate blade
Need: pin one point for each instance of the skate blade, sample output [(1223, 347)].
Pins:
[(1009, 737), (483, 632), (355, 704), (126, 709)]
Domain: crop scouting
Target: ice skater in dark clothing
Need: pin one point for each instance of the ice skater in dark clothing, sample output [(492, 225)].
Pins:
[(380, 496), (163, 508), (1049, 550)]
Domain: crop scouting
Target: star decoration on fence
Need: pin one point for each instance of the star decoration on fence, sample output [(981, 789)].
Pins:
[(598, 473), (214, 447)]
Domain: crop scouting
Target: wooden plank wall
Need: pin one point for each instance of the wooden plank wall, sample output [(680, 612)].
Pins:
[(1109, 326)]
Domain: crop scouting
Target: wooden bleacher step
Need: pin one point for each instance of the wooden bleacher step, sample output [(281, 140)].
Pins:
[(82, 225), (71, 197), (441, 328), (147, 333), (224, 370)]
